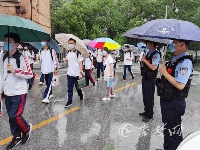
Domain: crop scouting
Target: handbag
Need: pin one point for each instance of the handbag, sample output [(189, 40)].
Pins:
[(81, 83), (55, 80)]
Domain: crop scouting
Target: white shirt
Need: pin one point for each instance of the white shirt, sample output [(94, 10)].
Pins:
[(99, 55), (32, 56), (127, 55), (73, 64), (88, 62), (47, 65), (27, 53), (107, 62)]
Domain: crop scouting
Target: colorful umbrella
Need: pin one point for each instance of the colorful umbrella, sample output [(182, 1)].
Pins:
[(105, 42), (63, 38)]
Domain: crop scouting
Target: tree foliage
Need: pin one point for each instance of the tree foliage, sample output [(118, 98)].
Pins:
[(89, 19)]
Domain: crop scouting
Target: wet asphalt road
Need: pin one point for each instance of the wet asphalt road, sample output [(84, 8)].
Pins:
[(95, 125)]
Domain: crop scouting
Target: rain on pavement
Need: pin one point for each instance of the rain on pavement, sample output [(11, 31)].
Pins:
[(95, 125)]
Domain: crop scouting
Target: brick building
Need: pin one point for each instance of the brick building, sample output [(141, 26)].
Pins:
[(35, 10)]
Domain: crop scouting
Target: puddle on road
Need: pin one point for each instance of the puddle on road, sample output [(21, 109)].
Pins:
[(61, 124), (95, 129)]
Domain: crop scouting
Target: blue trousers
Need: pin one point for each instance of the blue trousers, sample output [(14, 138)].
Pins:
[(42, 78), (71, 81), (129, 69), (171, 117), (148, 90), (48, 80), (99, 68), (15, 106)]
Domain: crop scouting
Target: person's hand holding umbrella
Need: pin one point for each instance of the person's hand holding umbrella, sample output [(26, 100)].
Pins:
[(10, 68)]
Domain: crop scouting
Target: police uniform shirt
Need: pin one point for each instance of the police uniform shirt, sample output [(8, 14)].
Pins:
[(155, 58), (183, 70), (73, 64)]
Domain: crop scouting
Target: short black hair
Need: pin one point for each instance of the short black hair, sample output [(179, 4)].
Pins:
[(154, 43), (127, 46), (71, 39), (14, 36), (106, 49), (187, 43)]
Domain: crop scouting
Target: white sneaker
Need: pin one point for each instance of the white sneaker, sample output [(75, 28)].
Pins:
[(46, 100), (106, 99), (112, 96), (41, 83), (51, 96)]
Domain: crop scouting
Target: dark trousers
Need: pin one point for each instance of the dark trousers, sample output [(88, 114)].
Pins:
[(99, 68), (31, 65), (129, 69), (1, 104), (171, 117), (15, 106), (88, 76), (48, 80), (42, 78), (71, 81), (148, 90)]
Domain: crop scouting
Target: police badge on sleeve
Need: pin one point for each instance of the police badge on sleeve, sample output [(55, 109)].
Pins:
[(183, 70)]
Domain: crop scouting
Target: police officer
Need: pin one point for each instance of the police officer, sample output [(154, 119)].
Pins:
[(173, 88), (149, 73)]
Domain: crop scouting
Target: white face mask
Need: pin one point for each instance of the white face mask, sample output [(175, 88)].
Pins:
[(104, 53), (70, 46)]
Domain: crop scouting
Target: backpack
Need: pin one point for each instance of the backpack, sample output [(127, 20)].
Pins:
[(17, 57)]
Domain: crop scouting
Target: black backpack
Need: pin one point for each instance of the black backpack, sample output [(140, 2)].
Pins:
[(17, 55)]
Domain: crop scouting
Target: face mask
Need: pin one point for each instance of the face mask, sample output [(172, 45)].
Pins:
[(104, 53), (5, 46), (70, 46), (172, 47), (43, 44)]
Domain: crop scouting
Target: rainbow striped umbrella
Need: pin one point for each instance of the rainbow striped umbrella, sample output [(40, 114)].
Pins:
[(105, 42)]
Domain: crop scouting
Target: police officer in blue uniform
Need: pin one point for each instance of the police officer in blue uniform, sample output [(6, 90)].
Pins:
[(173, 88), (149, 72)]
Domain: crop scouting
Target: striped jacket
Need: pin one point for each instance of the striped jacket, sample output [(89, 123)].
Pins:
[(14, 83)]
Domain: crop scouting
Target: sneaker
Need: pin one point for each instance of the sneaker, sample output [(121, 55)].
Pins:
[(41, 83), (81, 97), (51, 96), (1, 113), (123, 80), (46, 100), (27, 134), (68, 104), (142, 114), (133, 77), (98, 79), (106, 99), (93, 83), (15, 141), (147, 119), (112, 96)]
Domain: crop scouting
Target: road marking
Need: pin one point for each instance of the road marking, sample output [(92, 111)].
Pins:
[(45, 122), (126, 86)]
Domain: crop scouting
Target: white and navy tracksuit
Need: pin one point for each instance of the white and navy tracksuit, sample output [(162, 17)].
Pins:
[(15, 88), (128, 63), (73, 73), (47, 68)]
